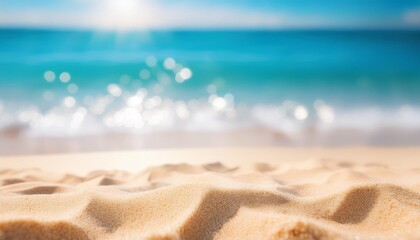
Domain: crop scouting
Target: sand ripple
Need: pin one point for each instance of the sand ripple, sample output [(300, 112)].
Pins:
[(316, 199)]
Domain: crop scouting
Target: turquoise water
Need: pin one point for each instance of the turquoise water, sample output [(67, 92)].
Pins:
[(330, 79)]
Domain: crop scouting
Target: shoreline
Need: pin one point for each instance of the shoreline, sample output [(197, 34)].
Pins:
[(15, 143)]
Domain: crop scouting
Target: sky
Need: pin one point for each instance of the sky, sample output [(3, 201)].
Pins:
[(210, 14)]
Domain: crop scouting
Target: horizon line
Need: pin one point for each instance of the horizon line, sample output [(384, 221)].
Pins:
[(210, 29)]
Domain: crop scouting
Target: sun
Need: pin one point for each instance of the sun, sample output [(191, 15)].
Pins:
[(126, 14), (123, 7)]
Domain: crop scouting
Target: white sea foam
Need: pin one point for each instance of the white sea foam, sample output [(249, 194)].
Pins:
[(141, 113)]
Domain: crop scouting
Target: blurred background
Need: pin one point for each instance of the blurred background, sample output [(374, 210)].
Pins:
[(95, 75)]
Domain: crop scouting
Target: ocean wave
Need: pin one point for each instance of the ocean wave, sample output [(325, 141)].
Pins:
[(143, 113)]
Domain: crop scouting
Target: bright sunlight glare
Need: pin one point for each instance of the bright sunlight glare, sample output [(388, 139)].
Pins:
[(125, 14)]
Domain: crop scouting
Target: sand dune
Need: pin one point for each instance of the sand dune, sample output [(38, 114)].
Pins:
[(311, 199)]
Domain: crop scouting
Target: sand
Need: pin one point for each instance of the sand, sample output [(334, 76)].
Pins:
[(265, 193)]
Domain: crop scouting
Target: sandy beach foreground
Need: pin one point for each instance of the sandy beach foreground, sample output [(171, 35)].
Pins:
[(265, 193)]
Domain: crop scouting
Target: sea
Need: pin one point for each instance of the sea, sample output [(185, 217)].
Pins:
[(65, 83)]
